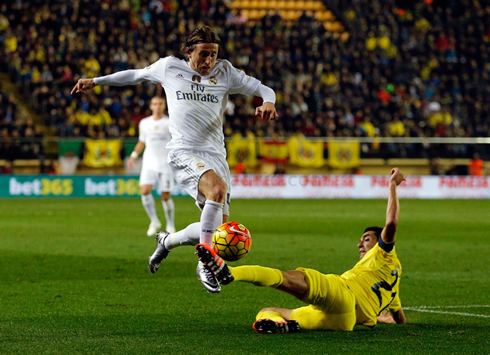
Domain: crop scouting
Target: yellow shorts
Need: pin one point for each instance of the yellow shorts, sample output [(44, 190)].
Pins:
[(332, 305)]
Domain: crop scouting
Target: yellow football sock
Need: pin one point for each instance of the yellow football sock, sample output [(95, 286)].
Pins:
[(258, 275), (276, 317)]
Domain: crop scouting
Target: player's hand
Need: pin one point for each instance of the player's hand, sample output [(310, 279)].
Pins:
[(397, 176), (267, 111), (386, 317), (131, 162), (83, 85)]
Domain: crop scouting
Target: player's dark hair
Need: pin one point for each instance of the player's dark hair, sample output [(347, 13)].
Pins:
[(377, 231), (202, 34)]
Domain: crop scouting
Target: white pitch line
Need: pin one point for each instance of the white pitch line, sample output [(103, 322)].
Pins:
[(435, 307), (445, 312), (469, 306)]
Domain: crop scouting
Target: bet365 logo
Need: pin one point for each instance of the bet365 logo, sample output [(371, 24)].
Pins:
[(111, 187), (41, 187)]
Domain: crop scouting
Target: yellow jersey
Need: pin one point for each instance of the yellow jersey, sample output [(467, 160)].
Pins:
[(375, 282)]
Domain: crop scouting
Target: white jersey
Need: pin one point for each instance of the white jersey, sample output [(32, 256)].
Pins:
[(196, 103), (155, 135)]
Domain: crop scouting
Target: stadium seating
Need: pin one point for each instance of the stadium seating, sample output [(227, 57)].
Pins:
[(348, 70)]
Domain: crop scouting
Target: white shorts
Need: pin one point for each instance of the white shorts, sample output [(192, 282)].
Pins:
[(162, 182), (187, 167)]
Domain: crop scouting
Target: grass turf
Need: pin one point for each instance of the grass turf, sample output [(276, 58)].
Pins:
[(73, 278)]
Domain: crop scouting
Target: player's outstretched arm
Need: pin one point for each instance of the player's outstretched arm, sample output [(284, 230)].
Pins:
[(122, 78), (393, 209)]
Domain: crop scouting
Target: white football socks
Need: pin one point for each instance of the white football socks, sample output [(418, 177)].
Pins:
[(169, 208), (187, 236), (149, 205), (211, 218)]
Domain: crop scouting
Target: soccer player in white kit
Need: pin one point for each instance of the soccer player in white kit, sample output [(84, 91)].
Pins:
[(154, 135), (197, 88)]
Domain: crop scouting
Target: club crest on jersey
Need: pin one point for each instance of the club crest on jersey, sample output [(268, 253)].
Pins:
[(196, 78), (200, 165), (213, 80)]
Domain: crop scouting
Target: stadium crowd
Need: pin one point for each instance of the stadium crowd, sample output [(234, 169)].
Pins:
[(12, 130), (419, 69)]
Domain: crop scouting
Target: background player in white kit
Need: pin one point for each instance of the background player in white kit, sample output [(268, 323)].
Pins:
[(197, 86), (154, 135)]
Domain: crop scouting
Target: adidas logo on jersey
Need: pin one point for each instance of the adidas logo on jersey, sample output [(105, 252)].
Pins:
[(180, 76)]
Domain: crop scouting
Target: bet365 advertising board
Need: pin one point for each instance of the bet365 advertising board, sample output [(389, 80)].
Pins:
[(257, 186), (71, 186)]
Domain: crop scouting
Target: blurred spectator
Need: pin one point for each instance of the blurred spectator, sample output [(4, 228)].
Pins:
[(421, 70), (476, 166), (6, 168), (47, 167)]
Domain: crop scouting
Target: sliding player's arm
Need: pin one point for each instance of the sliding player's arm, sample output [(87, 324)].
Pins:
[(393, 210), (399, 316)]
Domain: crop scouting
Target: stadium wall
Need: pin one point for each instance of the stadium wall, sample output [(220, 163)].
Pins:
[(258, 186)]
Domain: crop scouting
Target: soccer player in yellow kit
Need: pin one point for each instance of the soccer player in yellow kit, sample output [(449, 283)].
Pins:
[(366, 294)]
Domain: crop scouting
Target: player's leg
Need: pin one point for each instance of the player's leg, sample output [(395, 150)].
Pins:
[(332, 305), (166, 185), (292, 282), (269, 320), (169, 241), (214, 186), (275, 320), (214, 190), (187, 236), (169, 210), (146, 184), (166, 242), (194, 171)]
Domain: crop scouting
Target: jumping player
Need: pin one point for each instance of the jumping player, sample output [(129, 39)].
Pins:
[(366, 294), (197, 86), (155, 172)]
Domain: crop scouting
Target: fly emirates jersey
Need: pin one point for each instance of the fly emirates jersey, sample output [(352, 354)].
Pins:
[(196, 103), (155, 135), (375, 282)]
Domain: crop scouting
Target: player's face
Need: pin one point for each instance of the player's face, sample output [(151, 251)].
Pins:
[(157, 106), (367, 242), (203, 57)]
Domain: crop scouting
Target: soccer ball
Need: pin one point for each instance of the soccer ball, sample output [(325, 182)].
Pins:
[(232, 241)]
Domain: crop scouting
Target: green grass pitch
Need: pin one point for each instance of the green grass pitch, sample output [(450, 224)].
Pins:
[(74, 278)]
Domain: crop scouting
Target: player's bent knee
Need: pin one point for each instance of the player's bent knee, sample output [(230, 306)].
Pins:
[(217, 193), (294, 283)]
